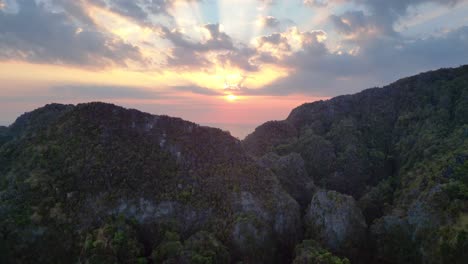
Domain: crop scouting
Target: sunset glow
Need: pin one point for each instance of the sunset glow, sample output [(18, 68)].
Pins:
[(203, 55), (231, 98)]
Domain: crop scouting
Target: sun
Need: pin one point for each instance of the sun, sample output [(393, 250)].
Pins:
[(231, 97)]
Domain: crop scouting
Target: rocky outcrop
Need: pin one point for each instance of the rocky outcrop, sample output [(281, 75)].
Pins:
[(336, 221), (292, 174), (399, 151), (257, 231)]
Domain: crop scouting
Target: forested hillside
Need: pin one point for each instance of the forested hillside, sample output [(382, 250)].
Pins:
[(400, 151), (376, 177)]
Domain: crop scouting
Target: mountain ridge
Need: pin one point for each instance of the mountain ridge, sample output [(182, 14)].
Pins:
[(378, 176), (390, 148)]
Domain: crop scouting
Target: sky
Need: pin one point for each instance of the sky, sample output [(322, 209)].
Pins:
[(232, 64)]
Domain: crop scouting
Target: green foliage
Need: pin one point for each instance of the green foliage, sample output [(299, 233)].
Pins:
[(66, 172), (200, 248), (116, 241), (377, 200), (455, 251), (457, 187), (317, 152), (457, 190), (394, 244), (206, 249), (461, 172), (309, 251), (167, 250), (5, 135)]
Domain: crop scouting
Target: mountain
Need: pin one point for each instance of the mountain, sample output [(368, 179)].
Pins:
[(401, 152), (97, 183), (376, 177)]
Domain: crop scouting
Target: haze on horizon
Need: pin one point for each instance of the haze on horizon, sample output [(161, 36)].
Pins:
[(228, 63)]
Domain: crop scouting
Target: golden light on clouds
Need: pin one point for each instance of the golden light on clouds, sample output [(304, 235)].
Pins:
[(220, 77), (123, 27), (56, 74), (214, 60), (156, 49)]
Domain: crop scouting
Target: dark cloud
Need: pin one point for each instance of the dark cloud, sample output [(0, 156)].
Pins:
[(197, 90), (131, 8), (275, 39), (184, 58), (139, 10), (353, 22), (382, 17), (240, 58), (188, 53), (88, 92), (315, 3), (66, 93), (371, 52), (75, 10), (40, 35), (317, 71), (269, 22), (217, 40)]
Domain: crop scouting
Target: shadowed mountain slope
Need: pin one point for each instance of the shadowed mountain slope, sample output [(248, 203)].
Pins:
[(401, 151), (376, 177)]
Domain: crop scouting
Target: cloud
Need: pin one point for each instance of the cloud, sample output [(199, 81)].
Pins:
[(140, 10), (278, 46), (268, 2), (197, 90), (190, 54), (269, 22), (355, 24), (39, 35), (92, 92), (319, 71), (85, 92), (181, 58), (76, 10), (315, 3), (217, 40), (89, 92), (380, 18), (132, 8), (241, 58), (365, 48), (276, 39)]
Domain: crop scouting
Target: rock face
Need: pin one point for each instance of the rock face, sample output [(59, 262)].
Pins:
[(292, 174), (336, 221), (255, 229)]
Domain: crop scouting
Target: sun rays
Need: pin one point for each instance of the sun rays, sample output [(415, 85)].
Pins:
[(237, 19)]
